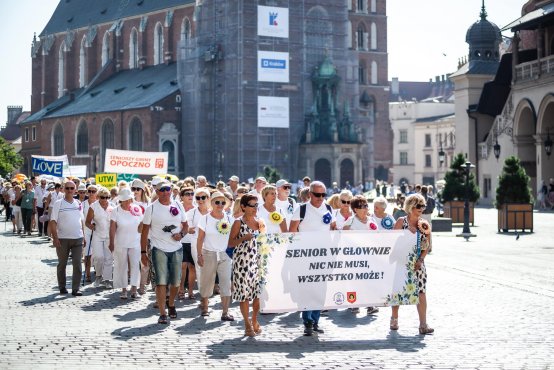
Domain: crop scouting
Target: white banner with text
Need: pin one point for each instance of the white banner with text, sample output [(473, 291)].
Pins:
[(338, 269), (273, 21), (140, 163)]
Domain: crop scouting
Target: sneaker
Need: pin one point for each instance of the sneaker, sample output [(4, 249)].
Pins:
[(39, 234), (372, 310), (97, 282), (308, 329), (76, 293)]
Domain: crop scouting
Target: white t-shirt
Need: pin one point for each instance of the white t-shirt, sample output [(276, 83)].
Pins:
[(213, 240), (126, 234), (356, 224), (341, 220), (270, 227), (40, 193), (193, 218), (54, 197), (85, 206), (259, 195), (313, 219), (159, 216), (102, 219), (69, 218)]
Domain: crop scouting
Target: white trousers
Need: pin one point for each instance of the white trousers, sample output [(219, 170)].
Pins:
[(124, 258), (197, 267), (102, 258)]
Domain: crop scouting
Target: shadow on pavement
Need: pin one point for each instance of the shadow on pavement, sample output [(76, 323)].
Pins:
[(50, 262), (199, 325), (126, 333), (348, 319), (297, 348), (54, 297)]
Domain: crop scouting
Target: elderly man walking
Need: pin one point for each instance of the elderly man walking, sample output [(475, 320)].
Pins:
[(315, 215), (164, 225), (66, 222)]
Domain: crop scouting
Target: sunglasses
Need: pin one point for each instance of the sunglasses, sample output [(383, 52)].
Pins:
[(187, 194), (421, 206), (164, 189), (104, 197), (345, 201), (286, 187), (92, 191), (82, 191), (135, 189), (319, 195), (362, 206), (69, 188), (219, 202), (255, 205), (202, 197)]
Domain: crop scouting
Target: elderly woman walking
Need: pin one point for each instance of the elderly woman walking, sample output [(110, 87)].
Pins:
[(414, 206)]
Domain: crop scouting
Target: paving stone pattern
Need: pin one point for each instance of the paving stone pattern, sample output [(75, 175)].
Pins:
[(491, 302)]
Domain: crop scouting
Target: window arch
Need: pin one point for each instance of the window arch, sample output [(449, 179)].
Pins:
[(108, 140), (133, 49), (374, 6), (135, 135), (360, 5), (82, 138), (374, 79), (373, 36), (61, 70), (318, 35), (361, 36), (169, 147), (158, 44), (362, 73), (105, 48), (186, 31), (57, 140), (83, 63)]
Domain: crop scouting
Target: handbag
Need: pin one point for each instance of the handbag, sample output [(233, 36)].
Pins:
[(18, 202)]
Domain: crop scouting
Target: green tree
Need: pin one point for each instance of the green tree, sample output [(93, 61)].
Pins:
[(455, 187), (9, 159), (513, 184), (271, 174)]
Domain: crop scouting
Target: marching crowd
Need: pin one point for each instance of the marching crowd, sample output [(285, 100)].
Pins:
[(185, 235)]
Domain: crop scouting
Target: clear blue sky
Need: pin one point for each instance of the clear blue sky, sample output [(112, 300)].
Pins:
[(420, 32)]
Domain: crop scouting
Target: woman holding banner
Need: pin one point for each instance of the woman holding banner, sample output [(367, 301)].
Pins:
[(414, 206), (273, 217), (246, 283), (344, 214)]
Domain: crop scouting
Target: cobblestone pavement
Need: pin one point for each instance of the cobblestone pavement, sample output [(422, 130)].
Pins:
[(491, 302)]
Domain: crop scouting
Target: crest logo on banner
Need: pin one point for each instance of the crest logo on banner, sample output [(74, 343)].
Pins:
[(351, 297), (273, 19), (338, 298)]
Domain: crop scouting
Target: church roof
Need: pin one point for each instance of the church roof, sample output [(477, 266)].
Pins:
[(532, 19), (126, 90), (477, 67), (73, 14)]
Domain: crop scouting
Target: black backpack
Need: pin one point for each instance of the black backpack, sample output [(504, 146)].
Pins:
[(303, 210)]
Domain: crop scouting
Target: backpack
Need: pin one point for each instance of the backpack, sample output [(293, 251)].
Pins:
[(303, 210), (430, 205)]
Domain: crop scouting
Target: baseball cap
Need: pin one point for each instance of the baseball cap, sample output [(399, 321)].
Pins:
[(162, 183), (234, 178), (281, 182)]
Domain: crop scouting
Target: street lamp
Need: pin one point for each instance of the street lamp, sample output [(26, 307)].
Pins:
[(496, 149), (441, 155), (548, 144), (466, 233)]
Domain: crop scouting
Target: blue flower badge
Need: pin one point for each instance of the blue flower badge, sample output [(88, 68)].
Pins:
[(327, 218), (387, 223)]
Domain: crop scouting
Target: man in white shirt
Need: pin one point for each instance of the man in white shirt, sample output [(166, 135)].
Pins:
[(164, 224), (66, 225), (40, 193), (283, 201), (233, 186), (315, 215), (260, 183)]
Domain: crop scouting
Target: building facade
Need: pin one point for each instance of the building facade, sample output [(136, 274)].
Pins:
[(182, 77)]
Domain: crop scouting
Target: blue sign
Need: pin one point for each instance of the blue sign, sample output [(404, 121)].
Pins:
[(274, 63), (45, 167), (273, 19)]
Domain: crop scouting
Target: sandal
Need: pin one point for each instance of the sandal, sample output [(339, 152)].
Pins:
[(425, 329), (257, 329), (227, 317), (172, 312), (393, 323), (249, 332), (123, 295), (182, 295), (163, 320)]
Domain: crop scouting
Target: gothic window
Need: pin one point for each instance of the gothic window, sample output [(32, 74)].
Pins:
[(133, 49), (83, 63), (373, 36), (319, 34), (362, 74), (57, 140), (135, 135), (169, 147), (374, 80), (108, 140), (374, 6), (349, 4), (185, 30), (82, 138), (349, 35), (105, 48), (158, 44), (360, 5), (61, 70), (361, 37), (34, 133)]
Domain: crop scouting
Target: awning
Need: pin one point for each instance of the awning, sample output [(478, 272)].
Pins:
[(531, 20)]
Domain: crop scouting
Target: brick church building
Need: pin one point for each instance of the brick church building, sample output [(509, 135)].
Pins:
[(108, 74)]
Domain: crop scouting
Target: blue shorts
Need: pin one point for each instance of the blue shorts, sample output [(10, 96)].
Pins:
[(167, 266)]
